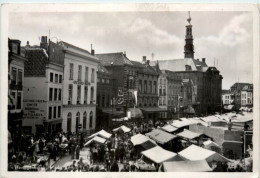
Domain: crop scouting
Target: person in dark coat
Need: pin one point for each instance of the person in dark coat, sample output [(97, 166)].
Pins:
[(114, 167), (77, 149), (41, 146)]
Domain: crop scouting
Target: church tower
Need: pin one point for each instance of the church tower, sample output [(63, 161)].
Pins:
[(189, 48)]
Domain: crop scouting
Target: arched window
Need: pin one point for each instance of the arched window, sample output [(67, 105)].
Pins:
[(69, 122), (85, 120), (91, 119), (77, 121)]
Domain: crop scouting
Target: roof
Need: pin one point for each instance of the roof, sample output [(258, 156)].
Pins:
[(179, 64), (123, 128), (117, 59), (158, 154), (102, 134), (160, 136), (36, 63), (212, 119), (145, 68), (248, 87), (102, 69), (210, 143), (169, 128), (180, 123), (189, 134), (186, 166), (143, 140), (195, 153), (96, 139)]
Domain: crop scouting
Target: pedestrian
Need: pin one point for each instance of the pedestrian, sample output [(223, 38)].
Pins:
[(77, 151), (114, 167), (107, 161)]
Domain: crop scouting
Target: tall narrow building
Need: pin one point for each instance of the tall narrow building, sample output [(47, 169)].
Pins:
[(189, 48)]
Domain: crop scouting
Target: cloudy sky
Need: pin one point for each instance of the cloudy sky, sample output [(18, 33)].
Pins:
[(225, 36)]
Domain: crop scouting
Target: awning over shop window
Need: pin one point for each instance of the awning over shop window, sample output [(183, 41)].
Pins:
[(153, 109), (134, 113)]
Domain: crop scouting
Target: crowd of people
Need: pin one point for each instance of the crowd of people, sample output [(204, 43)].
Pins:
[(116, 154)]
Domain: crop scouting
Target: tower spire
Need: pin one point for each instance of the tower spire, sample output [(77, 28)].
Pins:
[(189, 48)]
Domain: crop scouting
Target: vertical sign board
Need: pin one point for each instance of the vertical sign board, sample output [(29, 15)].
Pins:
[(34, 109)]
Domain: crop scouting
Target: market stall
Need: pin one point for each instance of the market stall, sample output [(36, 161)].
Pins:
[(122, 128), (101, 133), (186, 166), (97, 140)]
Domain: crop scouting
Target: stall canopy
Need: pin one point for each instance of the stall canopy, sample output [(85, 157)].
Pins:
[(169, 128), (159, 155), (160, 136), (143, 140), (122, 128), (210, 143), (180, 124), (96, 139), (186, 166), (187, 134), (195, 153), (101, 133), (212, 119)]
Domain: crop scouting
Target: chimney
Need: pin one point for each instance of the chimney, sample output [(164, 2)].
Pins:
[(203, 60), (44, 43), (92, 52), (144, 59), (148, 62), (27, 44), (124, 53)]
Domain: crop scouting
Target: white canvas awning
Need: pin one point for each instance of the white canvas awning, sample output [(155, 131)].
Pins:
[(160, 136), (143, 140), (187, 134), (96, 139), (101, 133), (210, 143), (186, 166), (195, 153), (169, 128), (159, 155), (122, 128)]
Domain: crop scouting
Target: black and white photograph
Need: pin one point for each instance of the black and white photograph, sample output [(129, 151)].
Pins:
[(129, 88)]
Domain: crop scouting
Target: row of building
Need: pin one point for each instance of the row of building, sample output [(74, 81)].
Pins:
[(58, 86), (240, 95)]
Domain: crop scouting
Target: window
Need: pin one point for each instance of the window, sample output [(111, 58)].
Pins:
[(154, 87), (145, 86), (59, 111), (92, 94), (140, 87), (86, 95), (98, 80), (50, 94), (103, 100), (150, 86), (55, 94), (79, 94), (56, 78), (70, 94), (14, 75), (50, 112), (77, 121), (85, 120), (51, 77), (86, 74), (160, 91), (69, 122), (19, 100), (107, 81), (71, 71), (92, 75), (59, 94), (103, 80), (80, 73), (60, 78), (91, 119), (20, 76), (54, 112), (108, 99)]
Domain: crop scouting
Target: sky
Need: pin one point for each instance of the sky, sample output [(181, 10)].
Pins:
[(223, 37)]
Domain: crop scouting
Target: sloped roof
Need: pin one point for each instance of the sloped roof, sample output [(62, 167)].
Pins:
[(103, 69), (141, 139), (158, 154), (145, 68), (101, 133), (36, 63), (195, 153), (117, 59), (160, 136), (169, 128), (189, 134), (239, 85), (248, 87), (177, 65), (123, 128), (186, 166)]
